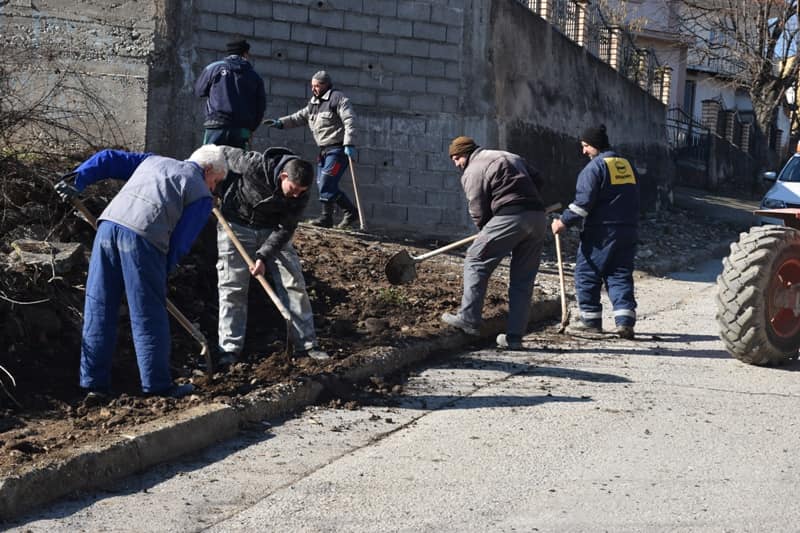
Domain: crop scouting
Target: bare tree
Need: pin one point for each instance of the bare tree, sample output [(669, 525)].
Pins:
[(46, 109), (750, 43)]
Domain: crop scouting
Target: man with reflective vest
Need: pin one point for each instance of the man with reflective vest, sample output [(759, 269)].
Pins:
[(606, 209)]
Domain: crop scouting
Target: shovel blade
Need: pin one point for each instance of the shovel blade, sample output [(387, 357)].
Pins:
[(401, 268)]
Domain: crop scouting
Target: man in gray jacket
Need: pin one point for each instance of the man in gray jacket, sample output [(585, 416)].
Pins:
[(330, 117), (503, 200)]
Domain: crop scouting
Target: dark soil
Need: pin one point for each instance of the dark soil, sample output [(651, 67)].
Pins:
[(42, 415)]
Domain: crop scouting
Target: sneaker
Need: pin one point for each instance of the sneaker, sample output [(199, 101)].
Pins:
[(176, 391), (314, 353), (581, 327), (95, 398), (503, 341), (625, 332), (457, 322)]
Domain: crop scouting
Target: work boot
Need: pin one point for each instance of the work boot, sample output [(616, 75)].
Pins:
[(325, 220), (175, 391), (625, 332), (580, 327), (458, 322), (226, 359), (350, 214), (508, 342)]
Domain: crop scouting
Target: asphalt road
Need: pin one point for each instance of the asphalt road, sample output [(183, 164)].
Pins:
[(665, 433)]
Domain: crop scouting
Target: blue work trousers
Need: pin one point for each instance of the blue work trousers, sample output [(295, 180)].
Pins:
[(605, 256), (124, 261), (331, 166), (522, 236)]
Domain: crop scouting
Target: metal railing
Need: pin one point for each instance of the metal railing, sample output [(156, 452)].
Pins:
[(584, 23)]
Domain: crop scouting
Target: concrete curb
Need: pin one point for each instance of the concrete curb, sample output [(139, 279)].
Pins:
[(202, 426)]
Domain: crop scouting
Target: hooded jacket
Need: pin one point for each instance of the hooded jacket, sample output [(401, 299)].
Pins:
[(252, 196), (235, 92)]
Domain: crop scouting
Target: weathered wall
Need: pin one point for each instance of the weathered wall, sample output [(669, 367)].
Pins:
[(418, 73), (101, 50), (547, 91)]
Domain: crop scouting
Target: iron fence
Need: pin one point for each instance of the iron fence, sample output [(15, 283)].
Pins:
[(609, 43)]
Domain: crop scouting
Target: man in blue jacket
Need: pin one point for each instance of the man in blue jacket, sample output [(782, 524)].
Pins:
[(142, 234), (606, 209), (236, 98)]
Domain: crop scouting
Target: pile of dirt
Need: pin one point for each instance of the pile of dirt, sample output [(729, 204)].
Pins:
[(355, 309), (41, 309)]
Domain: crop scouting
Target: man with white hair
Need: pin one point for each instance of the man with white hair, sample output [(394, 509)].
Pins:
[(330, 117), (142, 234)]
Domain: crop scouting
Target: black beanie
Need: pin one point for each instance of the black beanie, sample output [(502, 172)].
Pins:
[(237, 48), (596, 137)]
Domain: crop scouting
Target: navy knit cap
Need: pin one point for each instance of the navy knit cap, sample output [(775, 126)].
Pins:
[(596, 137), (237, 48)]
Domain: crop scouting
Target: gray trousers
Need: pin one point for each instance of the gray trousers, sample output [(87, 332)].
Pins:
[(522, 236), (234, 281)]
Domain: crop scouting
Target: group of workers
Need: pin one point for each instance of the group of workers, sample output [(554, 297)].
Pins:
[(160, 210)]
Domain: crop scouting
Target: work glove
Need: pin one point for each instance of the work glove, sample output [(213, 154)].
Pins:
[(66, 190), (274, 123), (350, 151)]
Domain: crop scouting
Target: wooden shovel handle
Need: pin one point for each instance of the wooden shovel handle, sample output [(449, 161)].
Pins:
[(250, 263), (564, 316), (355, 193)]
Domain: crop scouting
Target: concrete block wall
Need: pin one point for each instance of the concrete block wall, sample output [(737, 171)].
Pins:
[(103, 52), (419, 72), (398, 62)]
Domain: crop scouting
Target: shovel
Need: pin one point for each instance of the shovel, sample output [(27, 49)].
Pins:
[(564, 311), (261, 279), (402, 267), (174, 311), (355, 193)]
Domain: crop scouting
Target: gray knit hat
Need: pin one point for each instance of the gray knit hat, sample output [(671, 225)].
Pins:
[(322, 77)]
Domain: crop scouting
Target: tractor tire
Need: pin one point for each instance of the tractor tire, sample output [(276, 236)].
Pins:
[(753, 328)]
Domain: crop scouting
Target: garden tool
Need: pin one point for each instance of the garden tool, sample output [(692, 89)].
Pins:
[(174, 311), (261, 279), (355, 193), (402, 267), (564, 309)]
